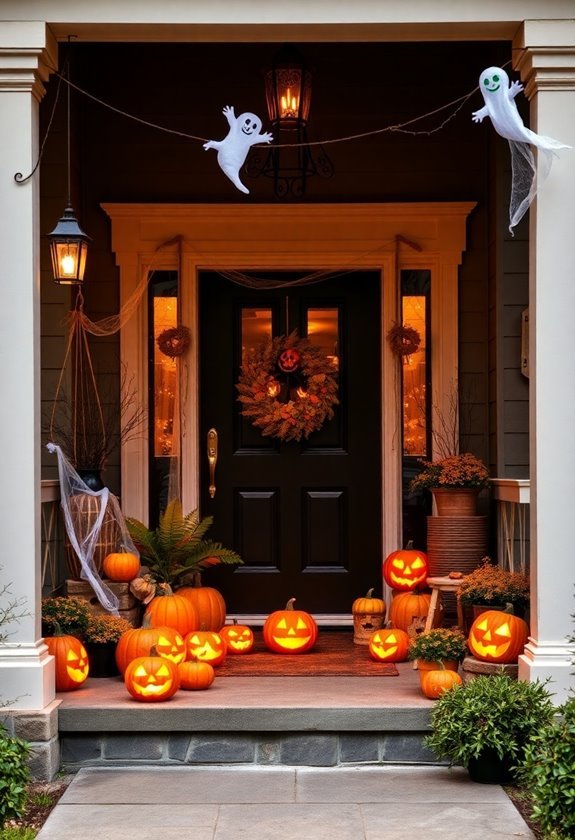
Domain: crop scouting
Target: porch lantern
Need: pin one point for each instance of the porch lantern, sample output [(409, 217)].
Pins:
[(288, 90), (68, 249)]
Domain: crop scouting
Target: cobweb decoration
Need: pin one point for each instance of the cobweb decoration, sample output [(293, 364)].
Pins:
[(527, 175), (85, 540)]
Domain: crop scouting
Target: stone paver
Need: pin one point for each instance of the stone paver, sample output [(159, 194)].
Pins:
[(264, 803)]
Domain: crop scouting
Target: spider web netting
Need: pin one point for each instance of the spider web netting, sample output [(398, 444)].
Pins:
[(527, 176), (85, 532)]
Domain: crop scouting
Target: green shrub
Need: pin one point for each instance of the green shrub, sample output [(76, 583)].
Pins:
[(548, 771), (14, 776)]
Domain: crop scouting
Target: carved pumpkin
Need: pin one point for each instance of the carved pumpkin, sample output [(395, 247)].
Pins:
[(72, 666), (195, 676), (239, 638), (205, 646), (434, 683), (289, 361), (408, 611), (497, 636), (209, 605), (122, 566), (390, 645), (405, 570), (139, 642), (289, 630), (172, 611), (368, 616), (151, 679)]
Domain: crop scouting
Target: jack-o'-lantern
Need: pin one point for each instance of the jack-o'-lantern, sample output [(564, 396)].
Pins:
[(239, 638), (72, 666), (368, 616), (497, 636), (195, 676), (405, 570), (151, 679), (408, 611), (122, 566), (167, 642), (205, 646), (289, 361), (389, 645), (434, 683), (290, 630)]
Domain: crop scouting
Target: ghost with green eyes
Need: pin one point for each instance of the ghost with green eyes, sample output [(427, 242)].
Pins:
[(527, 176)]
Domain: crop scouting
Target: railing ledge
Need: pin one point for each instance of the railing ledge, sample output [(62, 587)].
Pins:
[(511, 490), (50, 490)]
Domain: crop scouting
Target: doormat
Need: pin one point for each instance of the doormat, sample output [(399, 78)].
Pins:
[(334, 655)]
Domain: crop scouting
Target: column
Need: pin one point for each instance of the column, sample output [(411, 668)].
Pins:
[(545, 58), (27, 51)]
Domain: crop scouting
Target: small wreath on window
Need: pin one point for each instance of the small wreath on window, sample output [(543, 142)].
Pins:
[(174, 342), (288, 387), (403, 340)]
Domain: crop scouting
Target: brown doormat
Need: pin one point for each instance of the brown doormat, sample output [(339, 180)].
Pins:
[(334, 655)]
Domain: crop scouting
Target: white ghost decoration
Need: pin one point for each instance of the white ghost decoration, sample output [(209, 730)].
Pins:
[(499, 96), (233, 149)]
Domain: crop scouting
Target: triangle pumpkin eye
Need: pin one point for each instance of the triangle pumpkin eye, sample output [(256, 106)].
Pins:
[(504, 630), (301, 625), (399, 564), (163, 641), (391, 638), (140, 671), (163, 671), (482, 625), (282, 624), (71, 656), (417, 563)]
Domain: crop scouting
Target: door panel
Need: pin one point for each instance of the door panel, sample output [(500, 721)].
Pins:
[(305, 517)]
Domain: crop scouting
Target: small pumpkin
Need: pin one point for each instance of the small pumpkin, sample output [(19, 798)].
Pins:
[(498, 636), (434, 683), (151, 679), (171, 610), (408, 610), (389, 645), (72, 667), (209, 605), (205, 646), (290, 630), (239, 638), (289, 361), (195, 676), (405, 570), (168, 643), (368, 605), (122, 566)]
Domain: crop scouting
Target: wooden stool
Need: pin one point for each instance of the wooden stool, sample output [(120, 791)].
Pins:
[(443, 584)]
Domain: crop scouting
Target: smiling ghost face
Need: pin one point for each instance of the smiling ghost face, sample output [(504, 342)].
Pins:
[(249, 124), (492, 80)]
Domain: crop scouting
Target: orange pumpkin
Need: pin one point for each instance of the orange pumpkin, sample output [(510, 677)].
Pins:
[(72, 666), (289, 630), (405, 570), (151, 679), (497, 636), (205, 646), (139, 642), (389, 645), (171, 610), (121, 566), (239, 638), (209, 605), (409, 610), (368, 605), (434, 683), (195, 676)]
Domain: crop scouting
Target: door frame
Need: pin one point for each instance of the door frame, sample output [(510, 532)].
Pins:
[(195, 237)]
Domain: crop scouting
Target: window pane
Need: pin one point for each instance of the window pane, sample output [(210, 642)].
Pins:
[(256, 328), (414, 380), (323, 330), (165, 315)]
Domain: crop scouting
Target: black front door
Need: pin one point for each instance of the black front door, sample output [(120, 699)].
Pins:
[(305, 517)]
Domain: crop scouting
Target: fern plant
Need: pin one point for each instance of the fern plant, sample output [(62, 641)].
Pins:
[(177, 550)]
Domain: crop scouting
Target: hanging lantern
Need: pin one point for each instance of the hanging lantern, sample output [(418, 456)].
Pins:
[(68, 249), (288, 90)]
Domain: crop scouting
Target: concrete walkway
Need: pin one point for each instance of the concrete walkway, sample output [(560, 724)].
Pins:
[(282, 803)]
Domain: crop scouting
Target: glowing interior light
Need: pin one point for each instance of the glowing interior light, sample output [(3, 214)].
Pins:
[(68, 265)]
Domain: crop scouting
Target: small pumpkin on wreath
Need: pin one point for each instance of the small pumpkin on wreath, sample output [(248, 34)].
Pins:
[(403, 340), (287, 387)]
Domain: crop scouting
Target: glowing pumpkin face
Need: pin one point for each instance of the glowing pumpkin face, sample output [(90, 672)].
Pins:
[(497, 636), (167, 643), (238, 637), (289, 630), (151, 679), (72, 666), (205, 646), (289, 361), (405, 570), (389, 645)]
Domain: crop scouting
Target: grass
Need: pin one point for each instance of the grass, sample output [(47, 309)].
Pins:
[(42, 797)]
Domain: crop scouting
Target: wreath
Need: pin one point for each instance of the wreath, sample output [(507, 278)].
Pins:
[(174, 341), (287, 387), (403, 340)]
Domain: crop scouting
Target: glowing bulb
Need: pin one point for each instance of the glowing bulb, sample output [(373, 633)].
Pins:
[(68, 265)]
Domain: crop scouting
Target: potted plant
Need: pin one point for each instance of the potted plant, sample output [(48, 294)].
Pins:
[(487, 723), (101, 637), (493, 588), (455, 482), (68, 616), (434, 649)]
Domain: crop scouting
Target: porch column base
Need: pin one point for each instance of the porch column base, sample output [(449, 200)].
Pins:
[(29, 673), (549, 660)]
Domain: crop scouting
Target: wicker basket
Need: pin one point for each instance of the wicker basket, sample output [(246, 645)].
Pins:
[(84, 510)]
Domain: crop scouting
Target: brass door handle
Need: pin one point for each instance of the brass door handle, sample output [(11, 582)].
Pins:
[(212, 460)]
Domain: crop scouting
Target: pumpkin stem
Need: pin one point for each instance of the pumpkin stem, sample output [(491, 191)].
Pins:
[(154, 651), (409, 546), (370, 592), (197, 580), (147, 621), (290, 603), (509, 609)]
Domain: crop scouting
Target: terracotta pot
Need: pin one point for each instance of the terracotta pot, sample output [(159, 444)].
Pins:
[(423, 666), (455, 501)]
